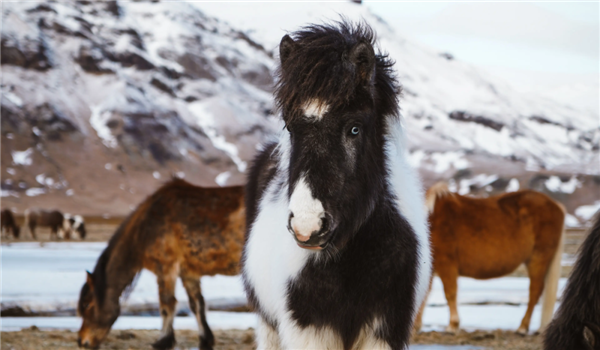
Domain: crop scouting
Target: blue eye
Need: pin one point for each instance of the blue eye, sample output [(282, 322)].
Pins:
[(355, 130)]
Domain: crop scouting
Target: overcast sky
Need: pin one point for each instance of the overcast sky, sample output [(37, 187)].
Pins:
[(534, 45)]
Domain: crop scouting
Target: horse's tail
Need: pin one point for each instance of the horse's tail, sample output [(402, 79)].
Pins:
[(439, 189), (552, 277)]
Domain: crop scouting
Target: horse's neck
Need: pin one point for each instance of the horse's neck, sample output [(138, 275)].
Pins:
[(122, 267)]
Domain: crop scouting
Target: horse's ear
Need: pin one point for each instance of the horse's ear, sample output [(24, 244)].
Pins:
[(90, 279), (589, 337), (362, 57), (286, 47)]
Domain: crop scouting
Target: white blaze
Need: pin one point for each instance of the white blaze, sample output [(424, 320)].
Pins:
[(307, 210), (315, 109)]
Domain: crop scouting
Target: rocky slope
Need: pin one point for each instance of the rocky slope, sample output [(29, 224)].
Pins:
[(102, 101)]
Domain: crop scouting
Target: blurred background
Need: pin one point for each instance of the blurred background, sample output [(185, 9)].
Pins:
[(104, 101)]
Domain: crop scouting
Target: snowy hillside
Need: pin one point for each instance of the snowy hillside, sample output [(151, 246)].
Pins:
[(103, 101)]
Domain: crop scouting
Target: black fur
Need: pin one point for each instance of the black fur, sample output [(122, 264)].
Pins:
[(580, 306), (368, 267)]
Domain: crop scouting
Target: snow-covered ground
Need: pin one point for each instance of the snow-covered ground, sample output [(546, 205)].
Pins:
[(48, 278)]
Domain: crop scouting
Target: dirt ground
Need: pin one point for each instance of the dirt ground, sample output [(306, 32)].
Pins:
[(244, 340)]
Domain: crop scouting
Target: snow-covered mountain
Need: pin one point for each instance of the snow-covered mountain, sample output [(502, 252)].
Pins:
[(101, 101)]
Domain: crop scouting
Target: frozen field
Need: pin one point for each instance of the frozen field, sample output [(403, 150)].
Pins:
[(48, 278)]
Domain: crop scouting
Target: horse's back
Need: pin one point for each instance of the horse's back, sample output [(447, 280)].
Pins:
[(490, 237), (200, 228)]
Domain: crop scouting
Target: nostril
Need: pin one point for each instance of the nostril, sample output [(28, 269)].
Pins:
[(86, 344), (325, 224), (79, 342)]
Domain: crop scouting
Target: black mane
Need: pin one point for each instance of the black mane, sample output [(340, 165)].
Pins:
[(319, 68)]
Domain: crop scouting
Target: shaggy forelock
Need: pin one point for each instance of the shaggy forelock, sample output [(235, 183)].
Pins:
[(319, 68)]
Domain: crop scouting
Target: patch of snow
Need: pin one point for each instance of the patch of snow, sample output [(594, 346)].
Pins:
[(554, 184), (16, 100), (513, 185), (205, 120), (41, 178), (221, 179), (98, 120), (571, 221), (447, 160), (180, 175), (8, 181), (35, 191), (107, 166), (586, 212), (480, 181), (22, 157), (8, 193), (10, 136), (70, 192), (156, 175), (36, 131), (11, 171)]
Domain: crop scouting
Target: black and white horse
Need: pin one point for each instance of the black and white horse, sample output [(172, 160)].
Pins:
[(576, 324), (74, 224), (337, 254)]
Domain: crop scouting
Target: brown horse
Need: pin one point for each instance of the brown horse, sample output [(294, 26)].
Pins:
[(53, 219), (577, 321), (8, 224), (180, 231), (490, 237)]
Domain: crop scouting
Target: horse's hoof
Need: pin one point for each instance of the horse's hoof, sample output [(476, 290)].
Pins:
[(451, 330), (207, 343), (166, 342), (522, 332)]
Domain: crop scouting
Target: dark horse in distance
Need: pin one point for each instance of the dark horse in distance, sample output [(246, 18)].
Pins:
[(577, 321), (180, 231), (53, 219), (337, 253), (8, 224)]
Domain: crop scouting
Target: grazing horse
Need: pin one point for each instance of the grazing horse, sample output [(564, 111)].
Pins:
[(180, 231), (337, 253), (577, 321), (8, 224), (490, 237), (74, 224), (53, 219)]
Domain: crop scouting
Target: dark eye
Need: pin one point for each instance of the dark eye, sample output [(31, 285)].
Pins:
[(355, 130)]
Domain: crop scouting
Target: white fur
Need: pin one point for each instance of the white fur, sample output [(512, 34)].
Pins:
[(408, 189), (266, 337), (315, 109), (307, 210), (273, 258)]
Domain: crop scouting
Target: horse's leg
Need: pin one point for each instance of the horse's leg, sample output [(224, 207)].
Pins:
[(166, 293), (449, 276), (266, 336), (32, 231), (536, 267), (194, 292)]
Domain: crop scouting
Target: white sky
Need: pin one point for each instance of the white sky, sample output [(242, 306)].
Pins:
[(549, 48)]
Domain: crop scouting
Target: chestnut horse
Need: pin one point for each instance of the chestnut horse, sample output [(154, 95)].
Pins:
[(8, 224), (577, 321), (490, 237), (180, 231), (52, 219)]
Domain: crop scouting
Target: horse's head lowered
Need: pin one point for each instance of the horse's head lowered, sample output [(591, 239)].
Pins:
[(336, 96), (98, 314)]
